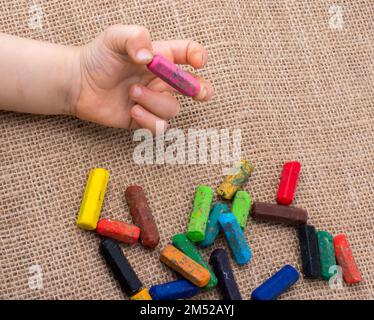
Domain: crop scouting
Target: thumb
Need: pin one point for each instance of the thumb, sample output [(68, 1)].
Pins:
[(134, 41)]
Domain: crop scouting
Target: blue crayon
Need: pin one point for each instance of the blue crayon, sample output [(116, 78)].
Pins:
[(212, 227), (235, 238), (276, 284), (178, 289)]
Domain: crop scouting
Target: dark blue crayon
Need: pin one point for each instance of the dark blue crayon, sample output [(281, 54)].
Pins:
[(309, 251), (178, 289), (276, 284), (235, 238), (223, 271), (213, 227), (120, 267)]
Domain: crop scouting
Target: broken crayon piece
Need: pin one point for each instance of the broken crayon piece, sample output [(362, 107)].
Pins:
[(142, 216), (326, 254), (118, 230), (200, 213), (288, 182), (178, 289), (241, 206), (174, 76), (278, 213), (309, 251), (233, 182), (93, 198), (226, 280), (213, 227), (345, 259), (184, 265), (235, 238), (181, 242), (141, 295), (278, 283)]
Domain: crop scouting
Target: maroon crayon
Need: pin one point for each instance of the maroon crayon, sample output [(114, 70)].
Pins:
[(142, 216), (278, 213)]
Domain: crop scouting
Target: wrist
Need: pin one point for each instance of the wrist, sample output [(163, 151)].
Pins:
[(71, 81)]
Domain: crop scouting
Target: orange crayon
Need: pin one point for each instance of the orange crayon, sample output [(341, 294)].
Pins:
[(184, 265)]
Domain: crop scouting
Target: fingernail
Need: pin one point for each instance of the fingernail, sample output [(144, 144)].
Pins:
[(137, 112), (144, 55), (203, 59), (203, 92), (136, 91)]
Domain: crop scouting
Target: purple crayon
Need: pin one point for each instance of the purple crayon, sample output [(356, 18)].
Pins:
[(175, 76)]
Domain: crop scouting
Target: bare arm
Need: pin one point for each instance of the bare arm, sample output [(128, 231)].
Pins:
[(36, 77)]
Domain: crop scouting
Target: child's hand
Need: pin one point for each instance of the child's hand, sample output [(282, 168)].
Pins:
[(116, 88)]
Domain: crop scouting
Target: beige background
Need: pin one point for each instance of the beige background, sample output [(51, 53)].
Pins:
[(297, 87)]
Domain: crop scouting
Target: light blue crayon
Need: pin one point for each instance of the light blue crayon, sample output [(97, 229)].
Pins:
[(235, 238)]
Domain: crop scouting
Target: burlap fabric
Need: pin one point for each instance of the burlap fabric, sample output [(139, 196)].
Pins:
[(295, 76)]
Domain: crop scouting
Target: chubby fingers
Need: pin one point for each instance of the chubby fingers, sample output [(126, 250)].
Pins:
[(206, 90), (145, 119), (134, 41), (152, 108), (162, 104), (183, 52), (205, 94)]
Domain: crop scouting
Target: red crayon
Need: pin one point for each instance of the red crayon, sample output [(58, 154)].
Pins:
[(174, 76), (288, 182), (344, 257), (118, 230)]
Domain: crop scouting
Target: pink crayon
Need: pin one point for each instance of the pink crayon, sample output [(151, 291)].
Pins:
[(175, 76)]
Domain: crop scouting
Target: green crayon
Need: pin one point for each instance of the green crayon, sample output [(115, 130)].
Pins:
[(326, 253), (241, 206), (181, 242), (200, 213)]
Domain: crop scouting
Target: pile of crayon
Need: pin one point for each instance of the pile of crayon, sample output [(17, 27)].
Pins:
[(320, 251)]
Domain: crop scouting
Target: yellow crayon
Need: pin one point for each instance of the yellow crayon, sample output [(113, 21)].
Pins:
[(93, 198), (141, 295), (232, 183)]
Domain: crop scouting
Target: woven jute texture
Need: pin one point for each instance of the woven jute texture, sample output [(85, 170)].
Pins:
[(295, 76)]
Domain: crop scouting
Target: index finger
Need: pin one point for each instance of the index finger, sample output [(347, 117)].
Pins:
[(182, 52)]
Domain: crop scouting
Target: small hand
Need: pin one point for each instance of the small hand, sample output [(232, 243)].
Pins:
[(116, 88)]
